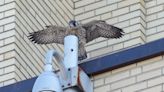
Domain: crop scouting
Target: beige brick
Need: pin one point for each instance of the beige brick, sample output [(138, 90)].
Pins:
[(133, 42), (151, 17), (105, 88), (151, 3), (118, 46), (9, 69), (7, 34), (106, 9), (148, 75), (152, 66), (7, 6), (120, 11), (144, 25), (102, 75), (119, 90), (95, 5), (135, 71), (151, 31), (135, 20), (10, 13), (27, 57), (153, 89), (98, 82), (9, 54), (154, 9), (127, 3), (19, 75), (123, 69), (7, 76), (135, 7), (130, 15), (149, 61), (7, 48), (1, 29), (1, 57), (112, 21), (8, 1), (122, 24), (156, 81), (7, 20), (1, 15), (70, 2), (7, 62), (83, 2), (9, 26), (64, 9), (2, 2), (132, 28), (76, 0), (160, 1), (160, 14), (1, 71), (113, 1), (96, 46), (100, 52), (90, 19), (117, 77), (79, 10), (123, 83), (85, 15), (1, 43), (69, 5), (136, 34), (155, 36), (106, 16), (160, 28), (9, 40), (9, 82), (114, 41), (135, 87)]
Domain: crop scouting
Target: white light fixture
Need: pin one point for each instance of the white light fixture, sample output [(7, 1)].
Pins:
[(48, 81)]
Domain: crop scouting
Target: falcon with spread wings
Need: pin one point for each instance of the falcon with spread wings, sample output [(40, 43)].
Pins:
[(85, 33)]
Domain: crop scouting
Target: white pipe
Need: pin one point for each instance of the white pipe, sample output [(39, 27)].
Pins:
[(48, 60), (70, 51)]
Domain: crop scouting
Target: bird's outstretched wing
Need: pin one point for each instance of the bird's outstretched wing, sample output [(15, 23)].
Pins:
[(99, 28), (52, 34)]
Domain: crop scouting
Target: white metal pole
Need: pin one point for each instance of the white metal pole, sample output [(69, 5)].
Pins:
[(70, 51)]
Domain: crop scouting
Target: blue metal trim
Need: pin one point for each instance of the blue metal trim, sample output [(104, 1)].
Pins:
[(103, 64), (124, 58), (23, 86)]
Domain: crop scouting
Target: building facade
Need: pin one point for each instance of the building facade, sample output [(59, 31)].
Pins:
[(141, 20)]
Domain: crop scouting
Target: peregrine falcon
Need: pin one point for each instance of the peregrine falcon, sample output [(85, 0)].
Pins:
[(85, 33)]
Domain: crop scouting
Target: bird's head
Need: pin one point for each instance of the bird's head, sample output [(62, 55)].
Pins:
[(73, 23)]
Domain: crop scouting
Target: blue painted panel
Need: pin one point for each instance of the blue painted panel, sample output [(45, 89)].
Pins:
[(123, 58), (23, 86)]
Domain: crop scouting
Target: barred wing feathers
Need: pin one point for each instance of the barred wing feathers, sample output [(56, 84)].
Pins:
[(99, 28), (52, 34)]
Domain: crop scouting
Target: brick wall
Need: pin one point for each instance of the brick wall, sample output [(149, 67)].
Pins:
[(126, 14), (21, 59), (146, 76), (142, 21), (7, 32)]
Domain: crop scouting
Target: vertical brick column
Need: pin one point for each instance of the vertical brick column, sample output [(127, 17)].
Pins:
[(7, 45), (126, 14)]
